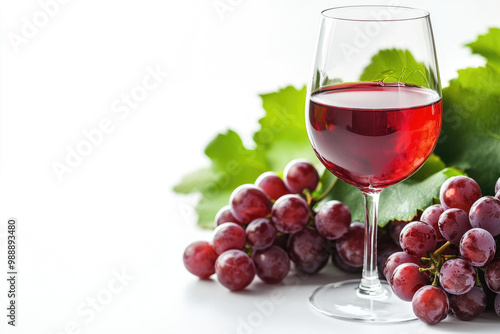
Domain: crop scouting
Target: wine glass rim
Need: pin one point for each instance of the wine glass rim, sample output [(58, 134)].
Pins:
[(419, 13)]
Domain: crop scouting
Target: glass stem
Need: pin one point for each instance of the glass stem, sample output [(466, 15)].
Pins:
[(370, 283)]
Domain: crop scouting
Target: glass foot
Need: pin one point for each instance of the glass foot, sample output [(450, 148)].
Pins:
[(342, 300)]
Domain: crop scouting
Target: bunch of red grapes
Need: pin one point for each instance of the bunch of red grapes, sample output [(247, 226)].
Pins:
[(449, 260), (446, 260), (272, 223)]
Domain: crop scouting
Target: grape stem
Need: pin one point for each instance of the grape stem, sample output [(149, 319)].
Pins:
[(478, 281), (437, 253), (248, 249), (327, 191), (310, 202), (436, 260), (308, 195)]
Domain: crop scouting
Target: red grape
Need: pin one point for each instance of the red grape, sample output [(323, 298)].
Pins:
[(272, 185), (224, 215), (235, 269), (485, 213), (308, 250), (300, 175), (418, 238), (395, 260), (406, 280), (395, 230), (339, 263), (290, 213), (453, 223), (492, 276), (249, 202), (332, 220), (351, 246), (431, 217), (459, 192), (457, 276), (199, 259), (383, 253), (469, 305), (477, 246), (271, 264), (261, 233), (430, 304), (228, 236)]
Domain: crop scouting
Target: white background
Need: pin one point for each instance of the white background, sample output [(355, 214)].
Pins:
[(115, 211)]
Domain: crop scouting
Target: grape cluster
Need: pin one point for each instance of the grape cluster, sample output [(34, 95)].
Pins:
[(273, 223), (445, 261), (449, 260)]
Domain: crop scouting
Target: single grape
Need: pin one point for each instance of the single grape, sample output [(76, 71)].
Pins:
[(469, 305), (430, 304), (395, 260), (418, 238), (249, 202), (300, 175), (490, 295), (459, 192), (261, 233), (333, 219), (224, 215), (384, 251), (453, 223), (199, 259), (308, 250), (228, 236), (272, 185), (290, 213), (492, 276), (457, 276), (497, 305), (351, 246), (271, 264), (478, 247), (339, 263), (235, 269), (431, 217), (395, 229), (485, 213), (406, 280)]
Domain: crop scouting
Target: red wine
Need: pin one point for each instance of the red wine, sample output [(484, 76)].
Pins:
[(374, 136)]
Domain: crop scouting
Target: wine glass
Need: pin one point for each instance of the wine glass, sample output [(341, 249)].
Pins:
[(373, 117)]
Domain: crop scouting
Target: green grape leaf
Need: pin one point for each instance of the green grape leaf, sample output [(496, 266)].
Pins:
[(403, 200), (283, 136), (232, 164), (488, 46), (393, 65), (470, 136)]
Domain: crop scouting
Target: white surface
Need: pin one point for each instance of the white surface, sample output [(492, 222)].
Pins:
[(115, 210)]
